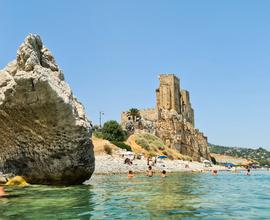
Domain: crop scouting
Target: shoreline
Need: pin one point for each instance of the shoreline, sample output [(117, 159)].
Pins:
[(111, 165)]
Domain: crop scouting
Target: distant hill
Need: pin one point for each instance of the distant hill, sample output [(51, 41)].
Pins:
[(260, 155)]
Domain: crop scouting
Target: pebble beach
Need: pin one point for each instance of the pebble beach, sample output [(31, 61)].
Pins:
[(107, 164)]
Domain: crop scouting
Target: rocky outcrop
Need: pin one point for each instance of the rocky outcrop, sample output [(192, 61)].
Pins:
[(45, 135), (172, 120), (181, 135)]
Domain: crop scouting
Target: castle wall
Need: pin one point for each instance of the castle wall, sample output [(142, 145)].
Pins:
[(172, 120), (149, 114)]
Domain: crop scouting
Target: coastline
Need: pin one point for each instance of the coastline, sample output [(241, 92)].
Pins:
[(114, 164)]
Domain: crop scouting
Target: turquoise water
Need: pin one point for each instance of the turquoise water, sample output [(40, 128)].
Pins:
[(178, 196)]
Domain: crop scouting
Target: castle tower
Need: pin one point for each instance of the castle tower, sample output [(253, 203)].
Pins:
[(168, 93), (187, 110), (170, 97)]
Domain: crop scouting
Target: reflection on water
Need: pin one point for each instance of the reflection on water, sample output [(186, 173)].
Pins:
[(175, 197), (44, 202), (178, 196)]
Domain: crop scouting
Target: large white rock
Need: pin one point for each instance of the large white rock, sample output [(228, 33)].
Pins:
[(45, 135)]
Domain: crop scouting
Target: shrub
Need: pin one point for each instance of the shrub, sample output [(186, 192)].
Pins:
[(153, 147), (149, 141), (165, 153), (121, 145), (96, 128), (108, 149), (158, 143), (143, 143), (98, 134), (152, 153), (149, 137), (112, 131)]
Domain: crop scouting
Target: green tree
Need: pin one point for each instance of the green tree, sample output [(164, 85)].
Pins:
[(112, 131), (134, 113)]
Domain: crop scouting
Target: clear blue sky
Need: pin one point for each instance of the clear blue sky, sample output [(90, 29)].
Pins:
[(112, 52)]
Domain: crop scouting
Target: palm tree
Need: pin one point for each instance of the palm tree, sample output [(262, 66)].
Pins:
[(134, 113)]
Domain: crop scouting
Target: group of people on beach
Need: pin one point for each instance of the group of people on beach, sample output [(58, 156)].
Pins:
[(149, 173)]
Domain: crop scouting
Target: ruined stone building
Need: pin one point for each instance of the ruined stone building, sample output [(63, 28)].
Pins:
[(170, 97), (172, 119)]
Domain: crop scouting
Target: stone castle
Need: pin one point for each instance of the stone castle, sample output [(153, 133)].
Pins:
[(172, 120)]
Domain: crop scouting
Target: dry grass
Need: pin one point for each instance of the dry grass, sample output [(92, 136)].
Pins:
[(151, 145), (108, 149), (99, 146), (156, 147)]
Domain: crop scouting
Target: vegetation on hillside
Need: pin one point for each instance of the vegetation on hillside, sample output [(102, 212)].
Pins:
[(111, 131), (260, 155), (149, 141), (108, 149), (156, 147), (121, 145)]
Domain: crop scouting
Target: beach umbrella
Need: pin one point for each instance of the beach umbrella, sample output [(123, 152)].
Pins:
[(229, 165)]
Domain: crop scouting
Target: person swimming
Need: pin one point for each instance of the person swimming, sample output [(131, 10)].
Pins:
[(163, 173), (2, 192), (214, 173), (248, 172), (130, 174), (149, 172)]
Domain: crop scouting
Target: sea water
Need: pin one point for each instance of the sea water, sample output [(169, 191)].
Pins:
[(178, 196)]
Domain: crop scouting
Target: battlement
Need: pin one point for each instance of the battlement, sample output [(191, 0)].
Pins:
[(168, 76)]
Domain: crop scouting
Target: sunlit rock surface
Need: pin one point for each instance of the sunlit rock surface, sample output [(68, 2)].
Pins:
[(172, 120), (45, 135)]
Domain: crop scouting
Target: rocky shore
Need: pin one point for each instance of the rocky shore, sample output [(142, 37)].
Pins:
[(107, 164)]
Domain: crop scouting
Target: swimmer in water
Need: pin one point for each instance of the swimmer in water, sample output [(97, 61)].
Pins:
[(130, 174), (150, 172), (2, 192), (163, 173), (214, 173), (248, 172)]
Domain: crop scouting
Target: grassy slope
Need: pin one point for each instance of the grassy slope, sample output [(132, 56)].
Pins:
[(151, 145), (143, 143)]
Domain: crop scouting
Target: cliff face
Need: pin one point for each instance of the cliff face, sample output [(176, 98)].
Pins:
[(181, 135), (172, 120), (45, 135)]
